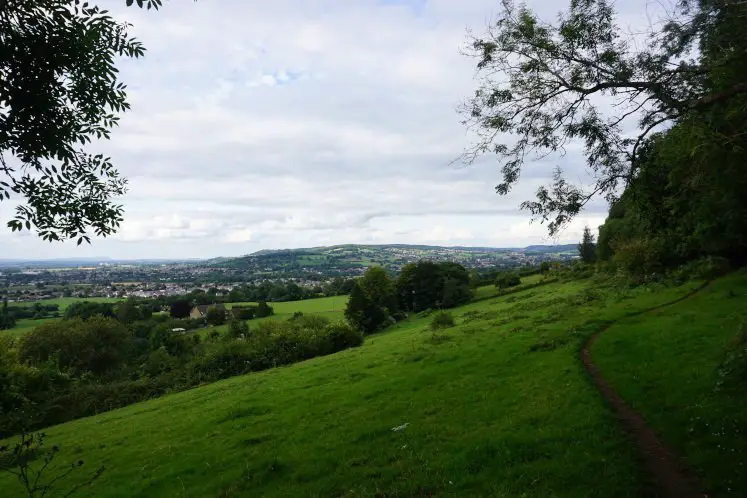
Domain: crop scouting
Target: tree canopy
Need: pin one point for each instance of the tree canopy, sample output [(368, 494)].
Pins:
[(60, 92), (543, 87)]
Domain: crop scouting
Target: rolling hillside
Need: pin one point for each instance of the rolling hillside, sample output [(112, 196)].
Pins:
[(352, 259), (498, 405)]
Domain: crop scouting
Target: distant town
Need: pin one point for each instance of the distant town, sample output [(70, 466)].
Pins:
[(22, 281)]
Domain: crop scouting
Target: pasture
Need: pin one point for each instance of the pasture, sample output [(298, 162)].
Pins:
[(498, 405)]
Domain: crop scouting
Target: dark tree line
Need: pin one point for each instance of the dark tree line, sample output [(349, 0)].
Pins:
[(544, 86), (378, 300)]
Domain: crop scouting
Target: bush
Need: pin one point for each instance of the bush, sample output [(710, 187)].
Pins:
[(702, 269), (216, 315), (263, 310), (506, 280), (642, 255), (243, 312), (99, 345), (442, 320), (273, 344), (238, 328)]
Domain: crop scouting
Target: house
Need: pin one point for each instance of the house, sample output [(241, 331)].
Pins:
[(200, 311)]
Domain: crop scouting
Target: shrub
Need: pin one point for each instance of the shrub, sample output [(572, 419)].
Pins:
[(98, 345), (216, 315), (238, 328), (702, 269), (263, 310), (506, 280), (442, 320), (243, 312), (642, 255)]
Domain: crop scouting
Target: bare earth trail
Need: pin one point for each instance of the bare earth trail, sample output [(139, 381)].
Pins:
[(666, 470)]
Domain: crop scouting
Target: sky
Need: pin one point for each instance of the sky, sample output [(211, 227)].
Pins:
[(299, 123)]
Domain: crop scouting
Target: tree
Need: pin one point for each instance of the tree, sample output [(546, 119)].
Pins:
[(88, 309), (98, 345), (216, 315), (455, 293), (379, 288), (7, 321), (60, 92), (419, 286), (427, 284), (181, 308), (244, 312), (128, 312), (546, 85), (587, 249), (506, 279), (363, 313), (264, 309), (545, 267)]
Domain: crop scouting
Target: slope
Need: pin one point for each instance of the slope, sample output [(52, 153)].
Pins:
[(681, 381), (497, 406)]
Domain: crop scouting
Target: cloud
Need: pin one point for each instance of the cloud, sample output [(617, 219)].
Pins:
[(291, 123)]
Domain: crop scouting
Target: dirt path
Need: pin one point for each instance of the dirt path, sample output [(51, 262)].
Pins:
[(666, 470)]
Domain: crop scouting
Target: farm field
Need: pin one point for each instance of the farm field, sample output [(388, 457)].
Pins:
[(64, 302), (498, 405), (320, 305), (330, 307), (26, 324)]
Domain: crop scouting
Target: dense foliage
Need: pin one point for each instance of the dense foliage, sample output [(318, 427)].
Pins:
[(77, 367), (549, 86), (373, 301), (377, 301), (60, 92), (426, 285), (507, 279)]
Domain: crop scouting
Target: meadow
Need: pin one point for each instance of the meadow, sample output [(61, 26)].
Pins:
[(331, 307), (26, 324), (498, 405)]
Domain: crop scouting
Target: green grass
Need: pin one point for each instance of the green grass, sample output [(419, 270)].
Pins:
[(329, 307), (498, 405), (26, 324), (64, 302), (486, 291), (319, 305), (666, 365)]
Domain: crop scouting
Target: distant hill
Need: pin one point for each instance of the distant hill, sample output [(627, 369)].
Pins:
[(351, 259)]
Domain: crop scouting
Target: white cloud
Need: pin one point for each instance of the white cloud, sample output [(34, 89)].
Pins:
[(291, 123)]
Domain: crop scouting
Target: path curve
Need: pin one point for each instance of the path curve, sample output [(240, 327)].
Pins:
[(667, 471)]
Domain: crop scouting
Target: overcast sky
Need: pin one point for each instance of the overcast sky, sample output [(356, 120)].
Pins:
[(297, 123)]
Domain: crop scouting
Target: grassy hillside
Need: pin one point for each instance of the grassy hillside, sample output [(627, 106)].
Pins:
[(666, 365), (497, 406)]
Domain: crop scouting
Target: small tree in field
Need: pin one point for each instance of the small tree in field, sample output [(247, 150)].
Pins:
[(587, 249)]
